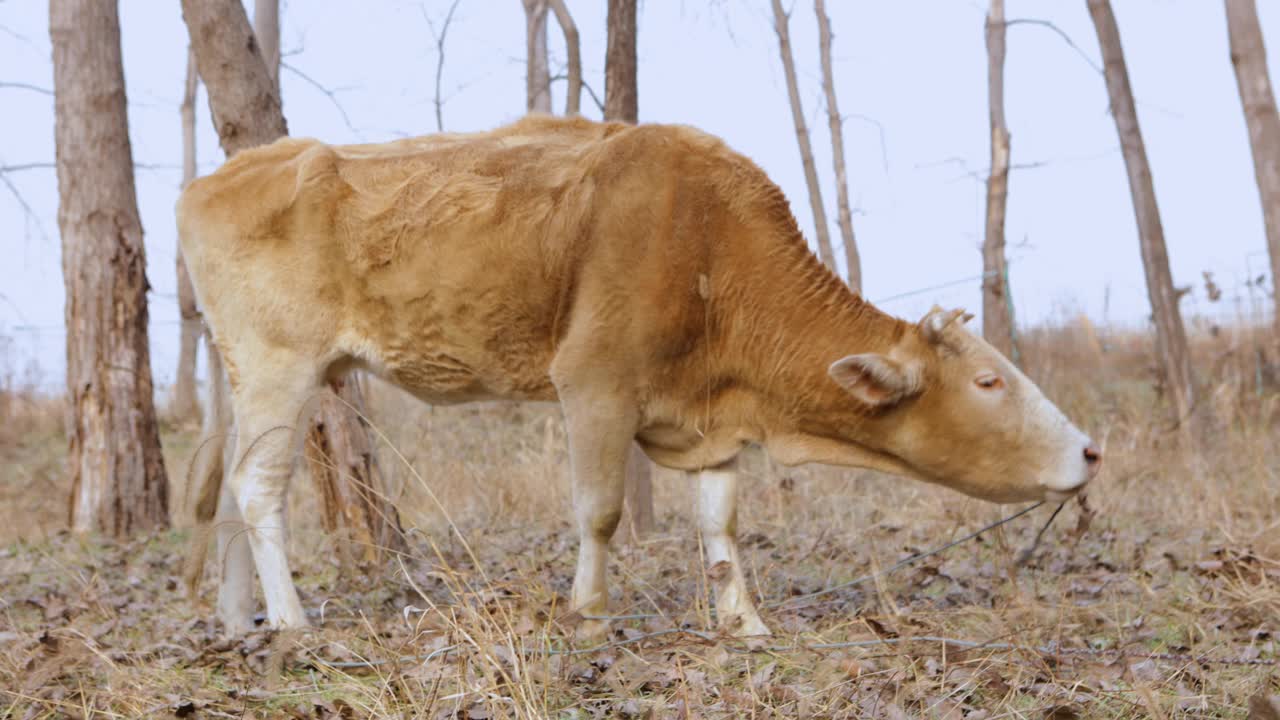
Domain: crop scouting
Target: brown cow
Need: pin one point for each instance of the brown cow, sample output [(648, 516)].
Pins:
[(649, 279)]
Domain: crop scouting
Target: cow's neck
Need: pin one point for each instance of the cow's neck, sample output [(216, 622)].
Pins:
[(784, 319)]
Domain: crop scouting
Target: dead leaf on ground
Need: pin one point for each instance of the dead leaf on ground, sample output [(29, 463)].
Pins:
[(1062, 712), (719, 571), (1264, 707)]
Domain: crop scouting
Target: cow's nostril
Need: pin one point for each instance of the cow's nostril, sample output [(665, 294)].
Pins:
[(1092, 454)]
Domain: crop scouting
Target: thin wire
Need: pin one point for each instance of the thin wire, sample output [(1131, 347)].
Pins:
[(786, 604), (1025, 555), (942, 286)]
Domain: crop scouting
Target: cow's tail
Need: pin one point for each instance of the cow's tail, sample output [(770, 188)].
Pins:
[(208, 466)]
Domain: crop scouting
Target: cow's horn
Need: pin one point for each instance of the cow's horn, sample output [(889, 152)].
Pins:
[(937, 320)]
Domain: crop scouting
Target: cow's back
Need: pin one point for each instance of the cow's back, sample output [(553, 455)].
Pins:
[(442, 262), (471, 247)]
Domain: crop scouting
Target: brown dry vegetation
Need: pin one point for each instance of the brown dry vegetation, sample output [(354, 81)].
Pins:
[(1181, 559)]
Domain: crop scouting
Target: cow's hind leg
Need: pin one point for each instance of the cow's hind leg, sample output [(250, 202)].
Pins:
[(269, 414), (235, 582), (718, 519)]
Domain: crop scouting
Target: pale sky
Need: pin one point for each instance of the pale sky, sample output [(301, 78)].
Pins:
[(910, 75)]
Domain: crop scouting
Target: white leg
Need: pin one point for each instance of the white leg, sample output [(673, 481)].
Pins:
[(235, 587), (717, 520), (599, 441), (268, 413)]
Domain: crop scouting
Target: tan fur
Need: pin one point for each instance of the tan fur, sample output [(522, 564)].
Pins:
[(649, 278)]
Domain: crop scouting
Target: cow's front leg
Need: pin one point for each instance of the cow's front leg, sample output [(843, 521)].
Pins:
[(600, 435), (718, 519)]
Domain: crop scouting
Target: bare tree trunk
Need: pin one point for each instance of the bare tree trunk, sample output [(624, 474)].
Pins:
[(537, 67), (997, 316), (621, 105), (639, 519), (621, 94), (117, 470), (1171, 339), (573, 48), (835, 123), (354, 504), (266, 27), (1249, 58), (184, 386), (246, 112), (780, 21)]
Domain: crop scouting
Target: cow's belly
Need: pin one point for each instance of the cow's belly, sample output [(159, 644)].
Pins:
[(458, 344), (443, 378)]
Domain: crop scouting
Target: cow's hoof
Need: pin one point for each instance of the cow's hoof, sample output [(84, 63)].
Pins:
[(235, 626), (591, 632), (748, 627)]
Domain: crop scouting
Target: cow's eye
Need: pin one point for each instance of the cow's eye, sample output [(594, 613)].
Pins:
[(989, 381)]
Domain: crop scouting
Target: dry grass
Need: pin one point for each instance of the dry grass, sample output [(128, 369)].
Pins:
[(1182, 558)]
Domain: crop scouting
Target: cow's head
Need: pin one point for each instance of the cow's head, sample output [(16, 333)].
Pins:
[(956, 412)]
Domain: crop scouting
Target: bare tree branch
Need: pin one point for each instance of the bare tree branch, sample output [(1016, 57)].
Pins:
[(980, 174), (156, 166), (573, 48), (439, 38), (28, 214), (4, 169), (331, 94), (585, 86), (1085, 56), (26, 86), (884, 143), (1062, 34), (18, 36), (953, 160), (594, 97), (22, 167)]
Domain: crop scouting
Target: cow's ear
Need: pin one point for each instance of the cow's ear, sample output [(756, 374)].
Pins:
[(875, 379)]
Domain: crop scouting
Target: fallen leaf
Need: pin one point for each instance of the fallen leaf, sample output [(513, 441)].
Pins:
[(570, 620), (879, 628), (1264, 707), (719, 571), (761, 677)]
